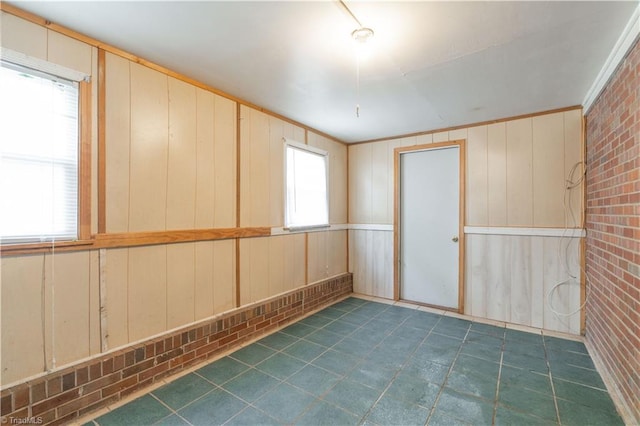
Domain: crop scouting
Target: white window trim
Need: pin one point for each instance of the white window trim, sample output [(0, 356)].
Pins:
[(302, 146), (41, 65)]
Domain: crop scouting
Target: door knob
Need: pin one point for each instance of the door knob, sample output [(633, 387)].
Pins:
[(454, 239)]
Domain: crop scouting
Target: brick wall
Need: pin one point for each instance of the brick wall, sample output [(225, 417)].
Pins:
[(61, 396), (613, 231)]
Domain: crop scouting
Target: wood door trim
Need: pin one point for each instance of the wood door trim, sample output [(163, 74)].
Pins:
[(460, 143)]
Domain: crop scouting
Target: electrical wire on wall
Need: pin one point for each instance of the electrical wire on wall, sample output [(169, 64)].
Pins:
[(573, 183)]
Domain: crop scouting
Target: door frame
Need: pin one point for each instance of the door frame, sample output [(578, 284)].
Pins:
[(460, 143)]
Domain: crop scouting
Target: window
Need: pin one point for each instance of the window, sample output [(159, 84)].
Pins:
[(38, 156), (306, 203)]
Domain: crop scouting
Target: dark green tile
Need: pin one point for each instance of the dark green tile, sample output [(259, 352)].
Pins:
[(409, 332), (517, 347), (253, 354), (481, 351), (323, 413), (519, 378), (531, 363), (481, 387), (522, 337), (422, 320), (337, 362), (557, 344), (278, 341), (356, 318), (172, 420), (317, 321), (324, 338), (574, 414), (387, 358), (358, 301), (353, 347), (353, 397), (331, 312), (440, 418), (345, 305), (250, 385), (373, 375), (492, 342), (252, 417), (372, 309), (528, 402), (583, 376), (441, 341), (391, 411), (508, 417), (489, 330), (450, 331), (400, 344), (298, 330), (466, 408), (371, 336), (305, 351), (144, 410), (341, 327), (222, 370), (594, 398), (560, 358), (285, 403), (444, 356), (425, 370), (314, 380), (281, 366), (469, 365), (413, 390), (182, 391), (214, 408)]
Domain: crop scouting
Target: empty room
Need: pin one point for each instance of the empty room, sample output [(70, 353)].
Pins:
[(227, 212)]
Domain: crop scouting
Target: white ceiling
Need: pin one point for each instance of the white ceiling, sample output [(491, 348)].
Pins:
[(432, 64)]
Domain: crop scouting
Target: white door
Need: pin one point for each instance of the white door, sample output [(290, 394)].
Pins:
[(429, 225)]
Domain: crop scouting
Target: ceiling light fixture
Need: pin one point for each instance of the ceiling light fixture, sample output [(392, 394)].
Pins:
[(361, 36)]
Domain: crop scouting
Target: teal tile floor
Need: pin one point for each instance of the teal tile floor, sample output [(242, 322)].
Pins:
[(363, 362)]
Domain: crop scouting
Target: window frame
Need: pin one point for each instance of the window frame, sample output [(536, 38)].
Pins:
[(83, 236), (313, 150)]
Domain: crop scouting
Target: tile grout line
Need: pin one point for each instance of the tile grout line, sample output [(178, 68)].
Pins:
[(453, 362), (553, 388), (495, 404)]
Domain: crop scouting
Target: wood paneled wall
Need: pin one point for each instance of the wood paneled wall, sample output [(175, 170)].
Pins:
[(516, 172), (176, 157)]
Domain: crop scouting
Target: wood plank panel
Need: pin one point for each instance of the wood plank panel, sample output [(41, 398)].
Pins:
[(254, 168), (519, 280), (497, 174), (573, 153), (117, 134), (498, 287), (276, 170), (23, 36), (149, 150), (360, 188), (68, 52), (421, 139), (519, 173), (204, 279), (180, 284), (276, 265), (224, 276), (254, 269), (22, 288), (318, 263), (440, 137), (294, 261), (181, 160), (477, 177), (116, 271), (371, 262), (548, 170), (337, 252), (476, 276), (95, 337), (67, 278), (379, 182), (205, 160), (225, 163), (458, 134), (147, 297)]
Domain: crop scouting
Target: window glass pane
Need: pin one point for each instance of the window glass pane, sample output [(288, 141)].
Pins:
[(38, 156), (306, 188)]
